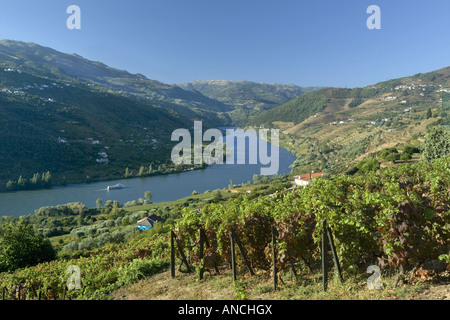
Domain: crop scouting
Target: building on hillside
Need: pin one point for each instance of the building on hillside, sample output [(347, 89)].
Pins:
[(305, 179), (148, 222)]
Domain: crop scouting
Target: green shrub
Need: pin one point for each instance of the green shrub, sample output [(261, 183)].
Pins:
[(20, 247), (392, 157), (368, 165)]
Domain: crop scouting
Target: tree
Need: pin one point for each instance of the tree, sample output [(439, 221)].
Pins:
[(392, 157), (217, 196), (368, 165), (437, 143), (21, 182), (141, 171), (411, 150), (429, 113), (11, 185), (35, 181), (385, 152), (148, 196), (21, 247), (47, 178), (405, 156), (127, 173), (99, 203)]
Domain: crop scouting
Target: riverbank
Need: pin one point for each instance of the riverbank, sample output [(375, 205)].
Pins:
[(71, 178)]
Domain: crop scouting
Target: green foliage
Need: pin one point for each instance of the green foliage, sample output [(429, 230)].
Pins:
[(411, 150), (102, 270), (445, 257), (392, 157), (355, 102), (240, 291), (20, 247), (148, 196), (368, 165), (405, 156), (74, 208), (385, 152), (295, 110), (397, 216), (99, 203), (437, 143), (38, 181)]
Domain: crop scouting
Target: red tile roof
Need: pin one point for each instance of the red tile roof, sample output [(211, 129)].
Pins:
[(309, 176)]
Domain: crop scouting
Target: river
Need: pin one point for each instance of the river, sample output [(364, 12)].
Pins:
[(163, 187)]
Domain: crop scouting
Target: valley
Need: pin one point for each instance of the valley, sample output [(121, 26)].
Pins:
[(83, 121), (383, 148)]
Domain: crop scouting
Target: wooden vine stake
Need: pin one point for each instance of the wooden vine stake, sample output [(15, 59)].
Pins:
[(233, 255), (243, 253), (172, 254), (173, 241), (183, 256), (327, 237), (335, 257), (205, 239), (200, 255), (324, 256), (274, 258)]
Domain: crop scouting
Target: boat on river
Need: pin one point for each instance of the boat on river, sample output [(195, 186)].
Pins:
[(115, 187)]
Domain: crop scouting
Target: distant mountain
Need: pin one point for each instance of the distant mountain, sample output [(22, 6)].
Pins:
[(49, 62), (249, 97)]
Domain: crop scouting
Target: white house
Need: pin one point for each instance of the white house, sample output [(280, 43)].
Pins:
[(305, 179)]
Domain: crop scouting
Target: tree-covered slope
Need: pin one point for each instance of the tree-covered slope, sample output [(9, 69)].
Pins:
[(64, 127)]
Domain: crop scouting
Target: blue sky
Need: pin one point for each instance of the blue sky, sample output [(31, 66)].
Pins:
[(321, 42)]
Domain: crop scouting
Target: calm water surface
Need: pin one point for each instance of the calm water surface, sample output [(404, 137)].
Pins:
[(163, 187)]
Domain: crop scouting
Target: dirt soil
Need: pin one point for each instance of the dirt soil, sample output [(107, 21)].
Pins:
[(163, 287)]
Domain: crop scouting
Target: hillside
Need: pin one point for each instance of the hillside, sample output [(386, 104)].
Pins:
[(246, 97), (64, 127), (331, 128), (82, 120), (43, 61)]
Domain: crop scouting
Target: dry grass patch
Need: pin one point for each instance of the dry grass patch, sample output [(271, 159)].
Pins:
[(260, 287)]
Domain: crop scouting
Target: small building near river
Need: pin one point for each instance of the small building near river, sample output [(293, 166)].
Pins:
[(148, 222)]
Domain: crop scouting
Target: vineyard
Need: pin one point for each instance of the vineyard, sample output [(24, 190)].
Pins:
[(397, 218), (102, 271)]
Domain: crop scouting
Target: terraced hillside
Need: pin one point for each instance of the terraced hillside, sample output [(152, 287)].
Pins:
[(332, 128)]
